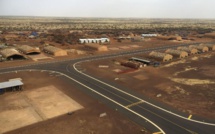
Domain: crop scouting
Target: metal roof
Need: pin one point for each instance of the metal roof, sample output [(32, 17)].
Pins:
[(12, 83), (140, 60), (148, 35)]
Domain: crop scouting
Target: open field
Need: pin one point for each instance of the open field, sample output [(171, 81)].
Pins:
[(186, 84), (45, 102), (33, 106), (124, 34), (49, 23), (51, 103)]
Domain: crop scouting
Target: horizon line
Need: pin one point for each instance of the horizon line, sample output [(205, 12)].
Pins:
[(104, 17)]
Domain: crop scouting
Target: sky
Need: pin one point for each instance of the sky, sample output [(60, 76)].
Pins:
[(110, 8)]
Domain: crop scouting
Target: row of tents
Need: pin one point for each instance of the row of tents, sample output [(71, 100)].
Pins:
[(182, 52), (96, 40), (19, 52)]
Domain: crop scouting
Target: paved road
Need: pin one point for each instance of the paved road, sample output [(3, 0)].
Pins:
[(148, 113)]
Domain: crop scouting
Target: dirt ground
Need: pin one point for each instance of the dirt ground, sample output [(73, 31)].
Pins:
[(171, 88), (83, 121), (31, 106), (113, 47), (185, 84)]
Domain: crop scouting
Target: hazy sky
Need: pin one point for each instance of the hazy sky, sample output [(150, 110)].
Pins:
[(110, 8)]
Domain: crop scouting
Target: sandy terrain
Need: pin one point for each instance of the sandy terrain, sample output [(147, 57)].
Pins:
[(37, 101), (28, 107), (186, 84)]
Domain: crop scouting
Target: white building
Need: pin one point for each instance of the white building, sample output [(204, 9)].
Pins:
[(97, 40), (149, 35)]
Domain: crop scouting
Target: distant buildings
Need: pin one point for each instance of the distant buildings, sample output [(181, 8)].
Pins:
[(33, 35), (149, 35), (123, 38), (179, 53), (160, 56), (28, 49), (200, 48), (210, 46), (188, 50), (96, 40), (10, 54)]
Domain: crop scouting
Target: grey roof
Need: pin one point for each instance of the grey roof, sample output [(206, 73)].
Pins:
[(140, 60), (12, 83)]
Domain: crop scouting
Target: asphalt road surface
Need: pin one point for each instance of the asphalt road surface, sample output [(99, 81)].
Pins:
[(150, 114)]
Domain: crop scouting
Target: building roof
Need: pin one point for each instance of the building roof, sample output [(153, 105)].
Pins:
[(9, 84), (28, 49), (9, 52), (140, 60), (52, 49), (158, 54), (95, 40), (148, 35), (199, 47), (172, 51), (184, 48)]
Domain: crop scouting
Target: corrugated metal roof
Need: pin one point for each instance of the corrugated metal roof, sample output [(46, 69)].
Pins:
[(10, 84), (138, 59)]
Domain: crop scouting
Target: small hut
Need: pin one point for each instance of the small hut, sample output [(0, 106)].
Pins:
[(28, 49), (11, 85), (161, 56), (97, 47), (200, 48), (188, 50), (179, 53), (54, 51), (210, 46)]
